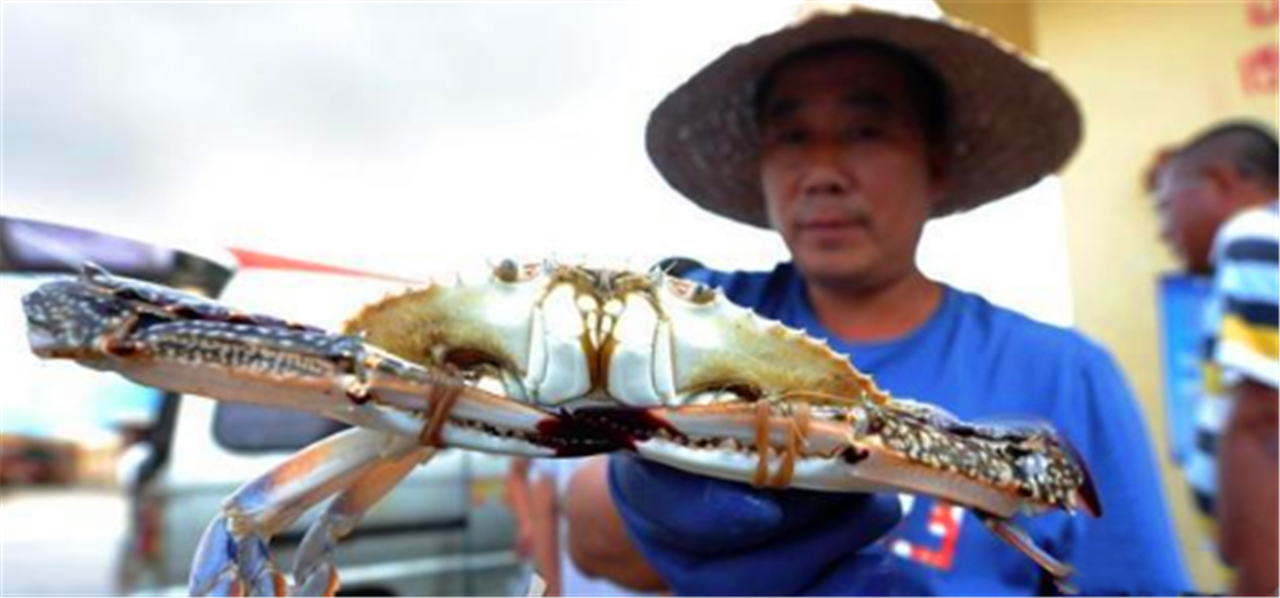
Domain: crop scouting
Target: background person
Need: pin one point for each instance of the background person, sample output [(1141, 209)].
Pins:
[(1216, 202)]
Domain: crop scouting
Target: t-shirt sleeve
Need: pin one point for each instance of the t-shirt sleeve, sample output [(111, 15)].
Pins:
[(1132, 548), (1247, 285)]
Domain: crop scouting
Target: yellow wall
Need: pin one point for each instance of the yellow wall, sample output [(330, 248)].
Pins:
[(1147, 74), (1011, 21)]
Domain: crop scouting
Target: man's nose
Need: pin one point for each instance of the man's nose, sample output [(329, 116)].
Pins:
[(824, 177)]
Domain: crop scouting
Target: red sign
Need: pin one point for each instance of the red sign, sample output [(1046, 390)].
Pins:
[(1258, 70), (1263, 13)]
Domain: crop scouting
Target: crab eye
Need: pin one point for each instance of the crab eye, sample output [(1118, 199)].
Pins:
[(702, 294), (693, 292), (507, 271)]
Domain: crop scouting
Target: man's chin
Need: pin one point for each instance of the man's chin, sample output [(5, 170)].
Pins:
[(836, 272)]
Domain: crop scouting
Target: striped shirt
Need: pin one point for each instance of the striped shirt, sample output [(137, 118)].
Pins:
[(1239, 334)]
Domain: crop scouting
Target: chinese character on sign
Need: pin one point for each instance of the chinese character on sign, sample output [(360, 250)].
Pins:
[(1258, 69), (1263, 12)]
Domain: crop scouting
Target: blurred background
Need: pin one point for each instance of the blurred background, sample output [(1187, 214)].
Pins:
[(284, 155)]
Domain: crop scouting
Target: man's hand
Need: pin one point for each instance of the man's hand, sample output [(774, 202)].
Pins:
[(707, 536)]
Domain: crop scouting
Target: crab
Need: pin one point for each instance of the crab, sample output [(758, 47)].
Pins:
[(540, 360)]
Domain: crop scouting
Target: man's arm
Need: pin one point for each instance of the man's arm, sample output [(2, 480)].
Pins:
[(1248, 472), (598, 542), (1245, 280), (517, 495), (546, 538)]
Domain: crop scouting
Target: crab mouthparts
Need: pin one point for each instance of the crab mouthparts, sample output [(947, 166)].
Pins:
[(599, 429)]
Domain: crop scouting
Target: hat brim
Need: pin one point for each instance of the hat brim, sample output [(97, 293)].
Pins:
[(1010, 121)]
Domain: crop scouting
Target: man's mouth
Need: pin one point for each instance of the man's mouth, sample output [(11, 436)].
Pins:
[(831, 225), (827, 224)]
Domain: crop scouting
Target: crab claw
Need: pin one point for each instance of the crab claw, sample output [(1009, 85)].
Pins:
[(1087, 494), (180, 342), (1018, 538), (71, 319)]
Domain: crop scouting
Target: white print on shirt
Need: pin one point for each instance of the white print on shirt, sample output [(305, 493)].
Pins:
[(945, 520)]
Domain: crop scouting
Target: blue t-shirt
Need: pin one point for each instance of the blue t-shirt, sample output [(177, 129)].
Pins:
[(980, 362)]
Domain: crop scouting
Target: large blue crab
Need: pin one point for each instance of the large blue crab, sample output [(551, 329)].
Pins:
[(542, 361)]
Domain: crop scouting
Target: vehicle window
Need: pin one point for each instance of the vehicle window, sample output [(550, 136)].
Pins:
[(249, 428)]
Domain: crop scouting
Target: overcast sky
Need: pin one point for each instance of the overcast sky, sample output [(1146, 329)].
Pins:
[(386, 134)]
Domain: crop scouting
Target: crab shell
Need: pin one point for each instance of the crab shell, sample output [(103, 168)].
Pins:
[(711, 387)]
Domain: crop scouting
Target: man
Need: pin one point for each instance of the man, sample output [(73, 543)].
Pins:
[(846, 132), (1216, 200)]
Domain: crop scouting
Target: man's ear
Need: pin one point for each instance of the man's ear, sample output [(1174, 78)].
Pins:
[(1223, 178)]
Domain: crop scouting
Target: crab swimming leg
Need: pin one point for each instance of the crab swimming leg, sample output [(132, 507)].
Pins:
[(233, 557), (314, 572)]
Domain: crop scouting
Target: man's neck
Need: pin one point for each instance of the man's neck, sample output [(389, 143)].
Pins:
[(875, 314)]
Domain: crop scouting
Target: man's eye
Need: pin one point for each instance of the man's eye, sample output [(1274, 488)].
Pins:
[(863, 132), (790, 136)]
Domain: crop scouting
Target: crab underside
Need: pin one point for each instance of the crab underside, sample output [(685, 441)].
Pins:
[(541, 360)]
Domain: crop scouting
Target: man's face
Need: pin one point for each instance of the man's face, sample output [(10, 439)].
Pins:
[(845, 168), (1190, 213)]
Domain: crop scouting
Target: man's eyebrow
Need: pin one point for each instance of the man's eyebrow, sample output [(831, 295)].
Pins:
[(781, 108), (867, 100)]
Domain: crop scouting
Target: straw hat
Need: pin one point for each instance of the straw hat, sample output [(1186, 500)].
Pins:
[(1010, 123)]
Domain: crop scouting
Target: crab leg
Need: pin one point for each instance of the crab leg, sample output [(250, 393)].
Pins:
[(313, 570), (823, 451), (827, 454), (233, 557)]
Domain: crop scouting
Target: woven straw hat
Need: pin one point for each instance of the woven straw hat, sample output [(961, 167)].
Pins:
[(1010, 122)]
